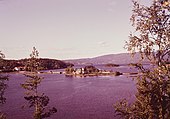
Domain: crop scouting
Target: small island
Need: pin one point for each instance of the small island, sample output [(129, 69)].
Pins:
[(89, 71), (112, 65)]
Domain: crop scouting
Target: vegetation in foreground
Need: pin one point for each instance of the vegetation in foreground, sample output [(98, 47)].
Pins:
[(37, 100), (152, 25), (3, 87)]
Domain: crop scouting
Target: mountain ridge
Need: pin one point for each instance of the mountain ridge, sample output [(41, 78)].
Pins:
[(121, 58)]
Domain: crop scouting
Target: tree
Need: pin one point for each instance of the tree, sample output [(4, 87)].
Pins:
[(3, 86), (69, 70), (152, 41), (33, 64), (36, 99)]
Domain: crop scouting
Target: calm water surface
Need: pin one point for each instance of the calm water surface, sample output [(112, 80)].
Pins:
[(74, 97)]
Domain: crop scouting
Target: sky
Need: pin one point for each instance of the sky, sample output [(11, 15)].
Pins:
[(64, 29)]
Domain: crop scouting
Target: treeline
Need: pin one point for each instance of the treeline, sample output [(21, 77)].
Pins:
[(21, 65)]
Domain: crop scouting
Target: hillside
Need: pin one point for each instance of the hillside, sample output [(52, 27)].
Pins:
[(44, 64), (123, 58)]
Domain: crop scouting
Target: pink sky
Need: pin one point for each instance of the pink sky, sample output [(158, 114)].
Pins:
[(64, 29)]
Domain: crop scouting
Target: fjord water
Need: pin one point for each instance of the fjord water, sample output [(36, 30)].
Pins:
[(74, 97)]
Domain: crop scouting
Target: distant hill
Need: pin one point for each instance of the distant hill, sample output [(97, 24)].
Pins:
[(123, 58), (44, 64)]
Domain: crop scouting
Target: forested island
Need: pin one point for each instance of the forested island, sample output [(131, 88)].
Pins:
[(89, 71)]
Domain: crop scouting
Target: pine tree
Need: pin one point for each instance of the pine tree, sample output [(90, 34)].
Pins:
[(36, 99)]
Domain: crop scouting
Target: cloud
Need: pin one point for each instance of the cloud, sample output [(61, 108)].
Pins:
[(103, 43)]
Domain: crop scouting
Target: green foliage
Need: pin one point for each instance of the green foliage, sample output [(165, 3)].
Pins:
[(90, 69), (2, 116), (23, 64), (1, 59), (32, 82), (69, 70), (152, 25), (42, 101), (46, 64), (3, 86), (152, 97), (37, 100), (33, 64), (2, 55)]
